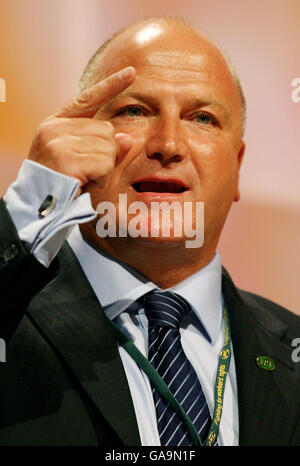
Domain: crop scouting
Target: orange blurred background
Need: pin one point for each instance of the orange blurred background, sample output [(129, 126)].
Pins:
[(45, 44)]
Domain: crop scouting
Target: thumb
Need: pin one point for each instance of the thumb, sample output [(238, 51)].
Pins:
[(124, 143)]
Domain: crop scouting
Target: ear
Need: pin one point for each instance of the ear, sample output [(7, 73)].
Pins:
[(240, 158)]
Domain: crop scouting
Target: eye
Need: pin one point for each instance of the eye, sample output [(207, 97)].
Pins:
[(131, 111), (206, 119)]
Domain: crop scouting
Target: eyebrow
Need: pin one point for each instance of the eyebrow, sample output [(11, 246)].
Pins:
[(211, 102), (194, 102), (124, 94)]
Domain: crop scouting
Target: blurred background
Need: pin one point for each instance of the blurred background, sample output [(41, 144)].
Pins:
[(45, 44)]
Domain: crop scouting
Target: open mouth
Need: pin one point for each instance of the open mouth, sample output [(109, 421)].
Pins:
[(154, 186)]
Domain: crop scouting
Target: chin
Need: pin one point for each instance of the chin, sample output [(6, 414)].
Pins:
[(159, 242)]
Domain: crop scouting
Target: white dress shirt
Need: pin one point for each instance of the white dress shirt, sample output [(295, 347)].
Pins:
[(118, 287)]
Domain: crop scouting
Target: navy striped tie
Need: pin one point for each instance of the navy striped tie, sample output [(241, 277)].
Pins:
[(165, 311)]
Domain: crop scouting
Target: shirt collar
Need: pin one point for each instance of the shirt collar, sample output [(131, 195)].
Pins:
[(203, 290), (116, 285)]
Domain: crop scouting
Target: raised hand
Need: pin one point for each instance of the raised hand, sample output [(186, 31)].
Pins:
[(74, 143)]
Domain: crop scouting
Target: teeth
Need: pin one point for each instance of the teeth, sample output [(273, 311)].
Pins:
[(159, 187)]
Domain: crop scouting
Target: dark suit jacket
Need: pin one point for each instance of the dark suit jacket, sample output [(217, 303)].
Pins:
[(63, 382)]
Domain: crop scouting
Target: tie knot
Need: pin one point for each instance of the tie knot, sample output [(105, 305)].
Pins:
[(164, 308)]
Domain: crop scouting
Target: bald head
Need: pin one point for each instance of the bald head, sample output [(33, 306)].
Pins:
[(155, 30)]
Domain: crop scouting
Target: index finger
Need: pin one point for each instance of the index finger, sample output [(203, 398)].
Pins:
[(88, 102)]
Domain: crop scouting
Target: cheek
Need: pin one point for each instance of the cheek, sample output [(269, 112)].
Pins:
[(213, 157), (216, 165)]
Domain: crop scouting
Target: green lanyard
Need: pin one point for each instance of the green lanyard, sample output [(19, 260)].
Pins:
[(167, 395)]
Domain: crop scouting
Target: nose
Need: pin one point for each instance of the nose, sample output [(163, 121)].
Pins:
[(166, 142)]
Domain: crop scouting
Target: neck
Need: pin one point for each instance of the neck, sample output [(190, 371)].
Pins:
[(164, 264)]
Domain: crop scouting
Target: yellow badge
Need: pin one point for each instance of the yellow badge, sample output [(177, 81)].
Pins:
[(265, 362), (224, 353)]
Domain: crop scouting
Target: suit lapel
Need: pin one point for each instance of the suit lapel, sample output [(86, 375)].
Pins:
[(69, 315), (267, 399)]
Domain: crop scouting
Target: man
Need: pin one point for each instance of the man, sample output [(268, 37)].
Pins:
[(158, 117)]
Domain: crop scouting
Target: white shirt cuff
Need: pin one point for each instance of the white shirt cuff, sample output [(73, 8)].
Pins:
[(45, 235)]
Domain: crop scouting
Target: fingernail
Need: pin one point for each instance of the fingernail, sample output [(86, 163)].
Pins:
[(127, 73), (121, 136)]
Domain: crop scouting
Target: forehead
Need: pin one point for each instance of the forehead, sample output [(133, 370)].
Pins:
[(172, 55), (160, 45)]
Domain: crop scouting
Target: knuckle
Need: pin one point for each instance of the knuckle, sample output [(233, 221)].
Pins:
[(114, 149), (52, 147), (43, 132), (104, 170), (83, 98), (110, 84), (109, 127), (105, 129), (105, 166), (109, 164), (109, 148), (47, 130), (104, 146)]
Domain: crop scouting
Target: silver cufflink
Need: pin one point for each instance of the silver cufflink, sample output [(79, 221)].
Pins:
[(47, 206)]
